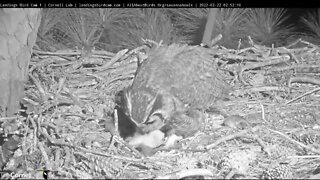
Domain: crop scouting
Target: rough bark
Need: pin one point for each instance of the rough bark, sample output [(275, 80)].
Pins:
[(18, 33), (209, 26)]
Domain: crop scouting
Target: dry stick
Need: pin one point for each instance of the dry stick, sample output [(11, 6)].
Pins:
[(134, 51), (61, 83), (239, 46), (294, 57), (262, 88), (301, 96), (215, 40), (68, 157), (304, 79), (259, 141), (116, 131), (123, 158), (231, 173), (294, 43), (118, 56), (305, 157), (187, 173), (305, 68), (35, 140), (316, 176), (283, 50), (263, 114), (258, 47), (69, 59), (40, 88), (116, 122), (26, 130), (124, 76), (250, 41), (57, 53), (149, 41), (229, 137), (2, 119), (301, 68), (123, 169), (296, 142), (45, 156), (310, 44), (193, 139), (61, 143), (248, 49), (103, 53), (269, 61)]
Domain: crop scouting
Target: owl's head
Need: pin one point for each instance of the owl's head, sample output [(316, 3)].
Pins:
[(147, 112)]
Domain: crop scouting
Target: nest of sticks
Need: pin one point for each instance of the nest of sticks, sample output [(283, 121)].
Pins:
[(70, 98)]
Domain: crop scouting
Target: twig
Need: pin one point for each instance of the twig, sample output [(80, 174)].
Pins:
[(40, 88), (116, 123), (187, 173), (74, 53), (263, 114), (45, 156), (229, 137), (300, 68), (123, 169), (259, 141), (262, 89), (61, 83), (143, 160), (267, 62), (61, 143), (134, 51), (294, 43), (303, 95), (239, 44), (304, 79), (118, 56), (215, 40), (305, 157), (149, 41), (309, 43), (250, 41), (296, 142), (35, 139), (231, 173), (2, 119)]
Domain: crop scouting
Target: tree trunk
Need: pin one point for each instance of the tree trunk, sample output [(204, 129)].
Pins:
[(18, 33), (209, 26)]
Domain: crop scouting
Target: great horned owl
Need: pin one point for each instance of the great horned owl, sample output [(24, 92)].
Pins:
[(170, 89)]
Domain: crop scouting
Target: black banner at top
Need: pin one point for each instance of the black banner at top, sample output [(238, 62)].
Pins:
[(154, 4)]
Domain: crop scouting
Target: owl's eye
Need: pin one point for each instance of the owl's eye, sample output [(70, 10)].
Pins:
[(156, 117)]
